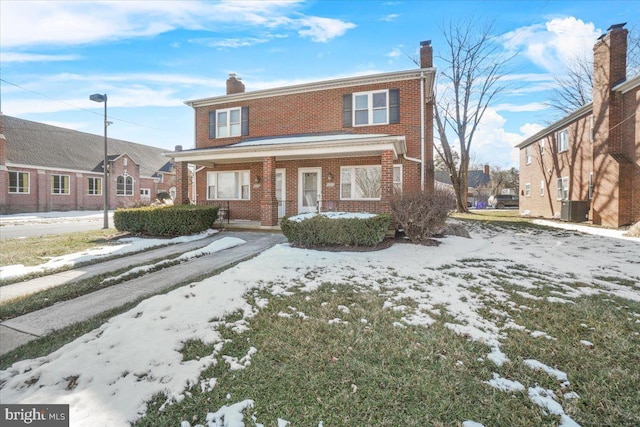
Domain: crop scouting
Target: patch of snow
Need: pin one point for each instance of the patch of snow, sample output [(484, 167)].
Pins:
[(586, 343), (332, 215), (504, 384), (471, 424), (497, 356), (552, 372)]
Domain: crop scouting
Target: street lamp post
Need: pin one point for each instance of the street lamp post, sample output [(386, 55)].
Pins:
[(105, 186)]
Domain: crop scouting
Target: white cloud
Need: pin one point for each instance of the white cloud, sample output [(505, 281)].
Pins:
[(63, 23), (231, 43), (390, 17), (35, 57), (554, 44), (323, 29), (513, 108)]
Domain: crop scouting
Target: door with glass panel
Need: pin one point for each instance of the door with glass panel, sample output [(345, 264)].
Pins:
[(281, 189), (309, 187)]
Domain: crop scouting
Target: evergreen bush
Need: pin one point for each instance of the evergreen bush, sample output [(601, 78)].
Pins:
[(321, 230), (169, 221)]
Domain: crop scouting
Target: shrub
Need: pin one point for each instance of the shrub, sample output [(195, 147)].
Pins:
[(162, 196), (321, 230), (166, 221), (634, 230), (421, 215)]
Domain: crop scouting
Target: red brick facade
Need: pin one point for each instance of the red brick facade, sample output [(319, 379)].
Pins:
[(316, 110), (601, 162)]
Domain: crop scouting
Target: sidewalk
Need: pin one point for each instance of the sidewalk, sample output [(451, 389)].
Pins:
[(20, 330)]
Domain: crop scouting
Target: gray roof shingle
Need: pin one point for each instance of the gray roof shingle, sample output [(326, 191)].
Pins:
[(39, 144)]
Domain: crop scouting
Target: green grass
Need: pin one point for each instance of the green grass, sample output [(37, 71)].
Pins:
[(36, 250), (375, 373)]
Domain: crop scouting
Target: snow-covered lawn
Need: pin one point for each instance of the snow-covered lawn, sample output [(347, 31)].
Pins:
[(121, 247), (108, 375)]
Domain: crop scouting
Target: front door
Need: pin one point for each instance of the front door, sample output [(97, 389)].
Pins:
[(281, 189), (309, 188)]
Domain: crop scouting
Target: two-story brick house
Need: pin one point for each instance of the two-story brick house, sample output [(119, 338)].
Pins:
[(332, 145), (591, 156), (49, 168)]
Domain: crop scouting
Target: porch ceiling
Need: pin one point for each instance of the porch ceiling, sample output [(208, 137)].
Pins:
[(295, 148)]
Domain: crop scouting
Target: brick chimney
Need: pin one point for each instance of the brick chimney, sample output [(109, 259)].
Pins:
[(234, 85), (486, 170), (426, 54), (609, 69)]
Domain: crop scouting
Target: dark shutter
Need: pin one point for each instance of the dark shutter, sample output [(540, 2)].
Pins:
[(245, 121), (212, 124), (394, 106), (347, 111)]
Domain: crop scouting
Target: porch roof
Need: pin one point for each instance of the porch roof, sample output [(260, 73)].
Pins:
[(295, 148)]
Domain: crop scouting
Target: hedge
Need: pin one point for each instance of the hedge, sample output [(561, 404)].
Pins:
[(321, 230), (169, 221)]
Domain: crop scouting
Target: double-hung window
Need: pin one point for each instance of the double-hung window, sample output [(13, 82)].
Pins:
[(228, 122), (360, 182), (94, 186), (231, 185), (371, 108), (527, 189), (60, 184), (590, 185), (124, 185), (18, 182), (563, 140), (542, 187), (563, 188), (527, 155)]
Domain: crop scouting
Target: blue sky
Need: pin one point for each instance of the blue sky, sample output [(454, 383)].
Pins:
[(151, 56)]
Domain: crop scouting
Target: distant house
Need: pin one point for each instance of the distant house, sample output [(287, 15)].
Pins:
[(589, 162), (341, 144), (48, 168), (479, 183)]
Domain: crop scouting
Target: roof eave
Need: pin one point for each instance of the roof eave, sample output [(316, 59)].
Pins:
[(428, 73), (560, 124)]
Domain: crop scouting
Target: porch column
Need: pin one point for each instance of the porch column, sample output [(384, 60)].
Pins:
[(182, 183), (269, 203), (386, 190)]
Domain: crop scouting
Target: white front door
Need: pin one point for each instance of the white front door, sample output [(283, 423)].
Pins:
[(281, 191), (309, 188)]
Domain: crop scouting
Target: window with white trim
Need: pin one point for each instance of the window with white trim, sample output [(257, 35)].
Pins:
[(124, 185), (228, 122), (94, 186), (360, 182), (563, 140), (19, 182), (397, 178), (590, 185), (542, 147), (527, 155), (527, 189), (228, 185), (542, 187), (60, 184), (371, 108), (563, 188), (591, 128)]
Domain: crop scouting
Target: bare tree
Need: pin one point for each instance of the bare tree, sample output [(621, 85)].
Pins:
[(574, 88), (470, 77), (504, 179)]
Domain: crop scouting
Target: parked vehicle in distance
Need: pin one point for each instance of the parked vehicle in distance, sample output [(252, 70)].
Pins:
[(502, 201)]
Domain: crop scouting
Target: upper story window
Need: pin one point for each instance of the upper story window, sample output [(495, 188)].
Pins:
[(60, 184), (19, 182), (542, 147), (378, 107), (229, 122), (124, 185), (527, 155), (591, 135), (563, 140)]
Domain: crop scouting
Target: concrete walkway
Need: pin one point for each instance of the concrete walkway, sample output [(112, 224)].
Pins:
[(20, 330)]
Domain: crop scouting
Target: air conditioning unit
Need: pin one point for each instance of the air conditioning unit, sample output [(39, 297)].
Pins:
[(575, 210)]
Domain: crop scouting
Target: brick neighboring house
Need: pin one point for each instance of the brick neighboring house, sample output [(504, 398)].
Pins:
[(590, 158), (48, 168), (334, 145)]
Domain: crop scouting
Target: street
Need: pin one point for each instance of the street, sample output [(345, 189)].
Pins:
[(39, 224)]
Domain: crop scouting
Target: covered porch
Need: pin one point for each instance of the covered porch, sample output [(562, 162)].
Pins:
[(261, 180)]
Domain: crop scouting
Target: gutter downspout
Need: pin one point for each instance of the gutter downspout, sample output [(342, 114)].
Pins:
[(422, 130)]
